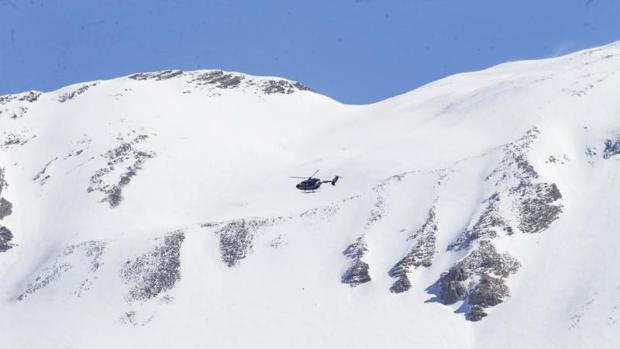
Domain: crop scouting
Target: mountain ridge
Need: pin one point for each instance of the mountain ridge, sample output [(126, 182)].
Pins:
[(155, 209)]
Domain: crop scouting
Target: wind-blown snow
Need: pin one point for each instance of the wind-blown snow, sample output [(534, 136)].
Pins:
[(155, 210)]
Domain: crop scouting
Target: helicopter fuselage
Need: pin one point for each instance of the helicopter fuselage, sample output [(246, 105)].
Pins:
[(309, 184), (312, 183)]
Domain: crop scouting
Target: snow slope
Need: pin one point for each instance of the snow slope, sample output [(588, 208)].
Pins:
[(155, 210)]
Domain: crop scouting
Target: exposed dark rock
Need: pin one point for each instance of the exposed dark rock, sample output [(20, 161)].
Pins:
[(6, 99), (327, 210), (218, 78), (420, 254), (42, 176), (236, 236), (121, 155), (489, 292), (73, 153), (87, 253), (278, 242), (378, 209), (377, 212), (15, 139), (71, 95), (5, 239), (538, 206), (157, 76), (282, 87), (357, 272), (560, 159), (3, 183), (514, 165), (539, 203), (451, 287), (302, 87), (20, 109), (19, 112), (210, 224), (236, 239), (323, 211), (132, 318), (224, 80), (30, 96), (46, 277), (356, 250), (612, 147), (114, 196), (401, 285), (487, 226), (475, 313), (155, 271), (478, 280), (6, 208)]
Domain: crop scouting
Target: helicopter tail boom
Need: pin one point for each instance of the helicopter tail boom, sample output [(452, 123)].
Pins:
[(332, 181)]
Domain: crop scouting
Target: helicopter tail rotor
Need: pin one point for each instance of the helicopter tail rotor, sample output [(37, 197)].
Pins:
[(335, 180)]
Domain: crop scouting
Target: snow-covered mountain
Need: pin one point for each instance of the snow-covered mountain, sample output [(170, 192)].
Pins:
[(155, 210)]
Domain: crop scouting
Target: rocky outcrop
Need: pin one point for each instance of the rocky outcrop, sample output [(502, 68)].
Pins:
[(357, 272), (478, 280), (612, 148), (30, 96), (42, 176), (3, 183), (219, 79), (157, 76), (420, 255), (85, 256), (488, 225), (237, 236), (522, 203), (20, 103), (271, 87), (224, 80), (72, 94), (236, 240), (538, 203), (13, 139), (5, 239), (155, 271), (126, 157), (6, 209)]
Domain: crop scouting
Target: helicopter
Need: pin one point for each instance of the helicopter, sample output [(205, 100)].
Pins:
[(310, 184)]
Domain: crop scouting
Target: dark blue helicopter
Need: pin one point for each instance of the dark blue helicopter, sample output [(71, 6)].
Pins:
[(310, 184)]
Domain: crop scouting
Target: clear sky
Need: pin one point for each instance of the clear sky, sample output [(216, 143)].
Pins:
[(356, 51)]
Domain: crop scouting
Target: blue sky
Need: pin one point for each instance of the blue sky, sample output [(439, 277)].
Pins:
[(356, 51)]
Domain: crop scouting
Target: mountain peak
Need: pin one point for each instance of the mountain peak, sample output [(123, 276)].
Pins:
[(225, 80)]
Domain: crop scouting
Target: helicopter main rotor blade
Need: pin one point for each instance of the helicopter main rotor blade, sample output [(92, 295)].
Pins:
[(315, 172), (298, 177)]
